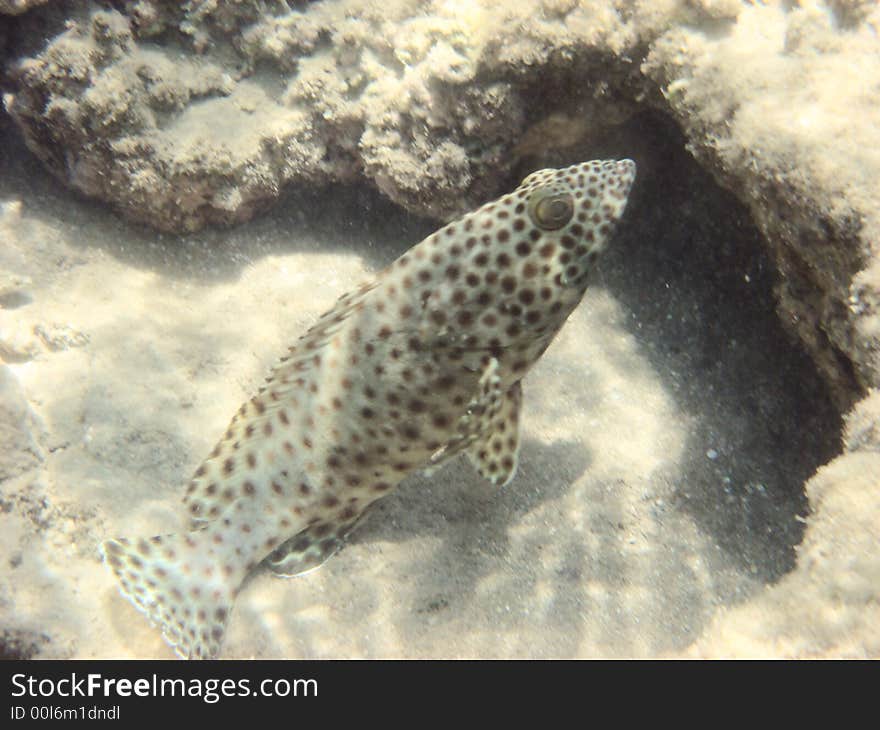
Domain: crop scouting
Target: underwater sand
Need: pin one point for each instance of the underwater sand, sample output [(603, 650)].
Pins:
[(667, 433)]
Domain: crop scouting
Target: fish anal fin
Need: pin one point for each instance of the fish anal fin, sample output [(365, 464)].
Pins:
[(311, 548)]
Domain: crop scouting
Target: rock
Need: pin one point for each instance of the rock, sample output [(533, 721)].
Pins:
[(58, 337), (180, 140), (761, 107), (863, 425)]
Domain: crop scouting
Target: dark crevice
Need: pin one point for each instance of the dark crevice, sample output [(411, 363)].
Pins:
[(695, 274)]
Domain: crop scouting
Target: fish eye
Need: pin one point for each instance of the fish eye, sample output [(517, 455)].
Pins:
[(551, 211)]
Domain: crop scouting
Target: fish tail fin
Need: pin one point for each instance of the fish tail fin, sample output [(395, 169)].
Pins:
[(179, 584)]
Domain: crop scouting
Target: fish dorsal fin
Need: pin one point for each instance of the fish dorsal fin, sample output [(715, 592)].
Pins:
[(495, 452), (208, 491), (326, 327)]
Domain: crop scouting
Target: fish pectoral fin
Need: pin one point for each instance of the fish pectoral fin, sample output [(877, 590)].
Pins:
[(489, 429), (495, 452), (311, 548), (477, 417)]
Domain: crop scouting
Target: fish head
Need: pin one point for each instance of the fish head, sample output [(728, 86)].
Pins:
[(503, 279), (562, 221), (573, 212)]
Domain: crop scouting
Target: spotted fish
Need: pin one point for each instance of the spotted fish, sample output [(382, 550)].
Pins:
[(423, 363)]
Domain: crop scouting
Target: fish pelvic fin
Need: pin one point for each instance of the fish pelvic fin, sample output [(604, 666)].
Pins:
[(176, 582)]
